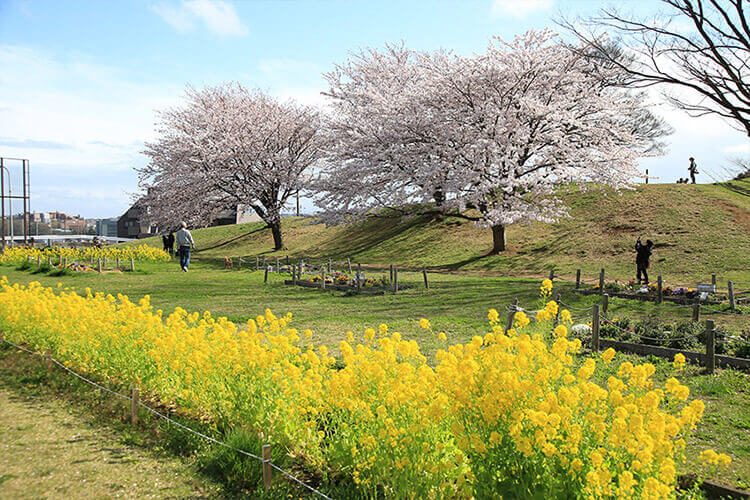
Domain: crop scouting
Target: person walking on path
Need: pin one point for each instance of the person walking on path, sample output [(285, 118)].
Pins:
[(184, 244), (165, 242), (643, 252), (693, 169)]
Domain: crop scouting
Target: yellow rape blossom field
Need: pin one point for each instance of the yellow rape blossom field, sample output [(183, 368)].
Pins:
[(140, 253), (512, 413)]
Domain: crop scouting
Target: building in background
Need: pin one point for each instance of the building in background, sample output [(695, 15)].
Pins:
[(240, 215), (107, 227), (133, 224)]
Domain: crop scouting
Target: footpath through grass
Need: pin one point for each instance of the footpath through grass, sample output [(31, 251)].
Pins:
[(456, 304)]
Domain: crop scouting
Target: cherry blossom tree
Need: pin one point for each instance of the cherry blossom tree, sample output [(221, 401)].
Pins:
[(496, 132), (227, 146)]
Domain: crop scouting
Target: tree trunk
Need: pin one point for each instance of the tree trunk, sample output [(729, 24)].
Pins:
[(278, 241), (498, 238)]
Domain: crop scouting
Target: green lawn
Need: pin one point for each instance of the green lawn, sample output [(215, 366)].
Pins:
[(698, 230), (455, 303)]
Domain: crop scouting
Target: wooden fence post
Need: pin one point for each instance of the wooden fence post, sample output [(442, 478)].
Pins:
[(730, 287), (395, 280), (605, 303), (578, 279), (349, 265), (659, 290), (278, 269), (696, 312), (267, 476), (713, 280), (323, 281), (294, 274), (329, 265), (265, 276), (557, 314), (99, 264), (710, 346), (104, 262), (359, 277), (134, 406), (264, 261), (117, 262), (132, 264), (391, 275), (48, 359), (511, 314), (595, 328), (424, 274), (601, 282), (551, 274), (257, 263)]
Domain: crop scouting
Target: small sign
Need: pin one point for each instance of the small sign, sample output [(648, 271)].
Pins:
[(706, 288)]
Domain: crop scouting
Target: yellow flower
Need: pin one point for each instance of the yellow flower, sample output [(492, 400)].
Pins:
[(679, 361), (424, 323), (608, 355)]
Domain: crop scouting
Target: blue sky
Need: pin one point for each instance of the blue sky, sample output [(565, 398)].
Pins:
[(80, 80)]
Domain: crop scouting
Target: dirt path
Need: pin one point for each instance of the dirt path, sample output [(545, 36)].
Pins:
[(48, 452)]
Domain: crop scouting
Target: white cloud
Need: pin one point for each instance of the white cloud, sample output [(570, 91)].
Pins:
[(81, 124), (219, 16), (518, 9)]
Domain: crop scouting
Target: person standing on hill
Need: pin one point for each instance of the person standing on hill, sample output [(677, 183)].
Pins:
[(693, 169), (184, 244), (643, 252)]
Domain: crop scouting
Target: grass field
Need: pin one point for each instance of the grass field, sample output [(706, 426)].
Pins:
[(455, 303), (698, 230)]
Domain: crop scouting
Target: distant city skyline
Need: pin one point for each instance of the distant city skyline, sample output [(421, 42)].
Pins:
[(81, 81)]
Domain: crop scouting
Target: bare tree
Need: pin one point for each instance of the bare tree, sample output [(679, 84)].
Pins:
[(700, 48)]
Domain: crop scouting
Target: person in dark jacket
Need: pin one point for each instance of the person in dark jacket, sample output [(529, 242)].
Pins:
[(643, 252), (170, 244)]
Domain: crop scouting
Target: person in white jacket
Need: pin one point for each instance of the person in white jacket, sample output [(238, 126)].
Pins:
[(184, 241)]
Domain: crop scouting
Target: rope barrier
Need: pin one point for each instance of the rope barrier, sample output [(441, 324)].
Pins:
[(171, 421)]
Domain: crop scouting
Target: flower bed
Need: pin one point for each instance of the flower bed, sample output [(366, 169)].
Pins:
[(510, 413), (141, 253)]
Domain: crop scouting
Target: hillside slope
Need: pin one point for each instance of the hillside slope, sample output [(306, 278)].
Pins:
[(697, 229)]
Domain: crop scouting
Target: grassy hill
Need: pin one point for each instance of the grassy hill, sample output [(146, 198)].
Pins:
[(698, 230)]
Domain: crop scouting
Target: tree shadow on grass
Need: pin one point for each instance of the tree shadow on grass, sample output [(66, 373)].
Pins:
[(231, 240)]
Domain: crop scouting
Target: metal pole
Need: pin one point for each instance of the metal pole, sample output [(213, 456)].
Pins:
[(2, 195), (25, 203), (298, 203)]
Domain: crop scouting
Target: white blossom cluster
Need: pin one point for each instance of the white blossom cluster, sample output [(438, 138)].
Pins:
[(496, 132)]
